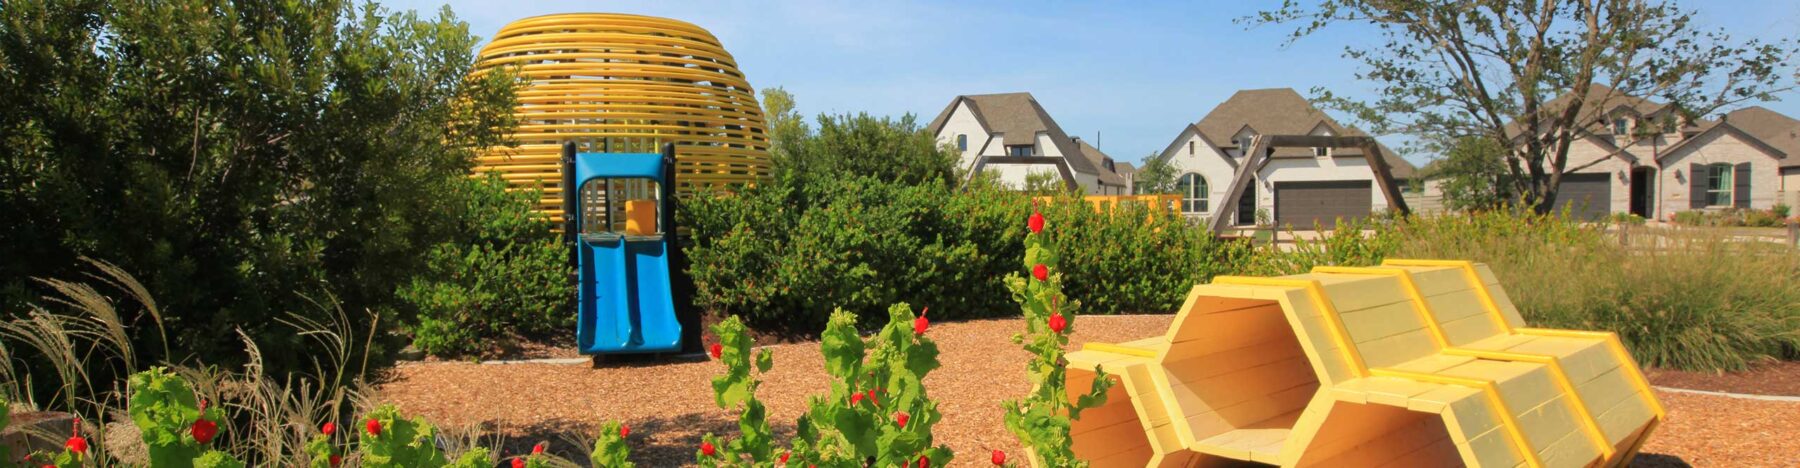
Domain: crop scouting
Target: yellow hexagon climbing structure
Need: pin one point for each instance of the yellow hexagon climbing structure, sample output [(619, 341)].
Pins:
[(624, 83), (1413, 363)]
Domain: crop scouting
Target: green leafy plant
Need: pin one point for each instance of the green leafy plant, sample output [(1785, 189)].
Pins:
[(610, 449), (389, 439), (173, 422), (1041, 420), (320, 450), (477, 457), (877, 409), (736, 390)]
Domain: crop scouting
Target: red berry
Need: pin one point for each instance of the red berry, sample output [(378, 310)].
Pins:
[(716, 351), (1036, 223), (537, 449), (336, 460), (624, 431), (999, 458), (373, 426), (518, 463), (1058, 323), (900, 418), (1041, 272), (203, 430), (706, 448), (328, 428)]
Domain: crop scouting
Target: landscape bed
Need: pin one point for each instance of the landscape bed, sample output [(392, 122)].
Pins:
[(669, 407)]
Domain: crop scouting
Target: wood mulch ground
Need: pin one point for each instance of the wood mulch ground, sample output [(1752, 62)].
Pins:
[(1780, 378), (669, 404)]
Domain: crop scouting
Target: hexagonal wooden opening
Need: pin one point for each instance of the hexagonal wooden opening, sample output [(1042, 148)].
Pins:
[(1112, 434), (1379, 435), (1238, 376)]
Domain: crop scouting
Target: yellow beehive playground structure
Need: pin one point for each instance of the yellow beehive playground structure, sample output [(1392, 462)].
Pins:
[(624, 83), (1413, 363)]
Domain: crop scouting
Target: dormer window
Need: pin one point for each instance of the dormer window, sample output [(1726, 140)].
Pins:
[(1018, 150)]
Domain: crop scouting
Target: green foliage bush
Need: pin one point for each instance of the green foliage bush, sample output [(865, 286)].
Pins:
[(242, 158), (1734, 217), (1131, 259), (508, 274), (164, 409)]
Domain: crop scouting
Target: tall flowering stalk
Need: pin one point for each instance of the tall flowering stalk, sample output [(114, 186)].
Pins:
[(1041, 420)]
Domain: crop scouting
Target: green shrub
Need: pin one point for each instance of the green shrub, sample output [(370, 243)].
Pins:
[(1622, 219), (165, 411), (1131, 259), (508, 274), (1781, 210), (1734, 217)]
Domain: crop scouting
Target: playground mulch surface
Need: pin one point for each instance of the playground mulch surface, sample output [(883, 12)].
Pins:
[(1779, 378), (669, 405)]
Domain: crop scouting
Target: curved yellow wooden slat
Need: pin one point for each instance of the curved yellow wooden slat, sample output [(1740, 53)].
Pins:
[(633, 81)]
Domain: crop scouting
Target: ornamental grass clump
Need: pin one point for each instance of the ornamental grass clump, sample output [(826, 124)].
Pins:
[(1041, 420)]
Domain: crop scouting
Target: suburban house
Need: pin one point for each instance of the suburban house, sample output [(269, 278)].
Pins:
[(1011, 136), (1298, 186), (1642, 157)]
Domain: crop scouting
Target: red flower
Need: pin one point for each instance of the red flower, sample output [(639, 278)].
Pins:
[(336, 460), (624, 431), (518, 463), (1036, 223), (784, 457), (706, 448), (716, 351), (203, 430), (999, 458), (1041, 272), (373, 426), (76, 443), (921, 324), (328, 428), (856, 399), (872, 400), (924, 462), (900, 418), (1057, 322), (537, 449)]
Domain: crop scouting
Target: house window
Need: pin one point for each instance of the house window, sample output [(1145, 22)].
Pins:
[(1021, 150), (1190, 147), (962, 142), (1193, 191), (1718, 185), (1321, 151), (1619, 125)]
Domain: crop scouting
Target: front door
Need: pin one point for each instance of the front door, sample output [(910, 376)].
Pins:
[(1246, 209), (1642, 192)]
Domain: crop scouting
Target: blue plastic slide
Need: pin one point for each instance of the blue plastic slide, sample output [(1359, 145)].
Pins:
[(626, 304)]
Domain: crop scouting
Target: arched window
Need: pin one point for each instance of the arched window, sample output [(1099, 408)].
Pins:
[(962, 142), (1193, 190)]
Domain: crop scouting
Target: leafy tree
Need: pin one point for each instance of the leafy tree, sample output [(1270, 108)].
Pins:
[(1156, 177), (1495, 69), (853, 145), (1045, 183), (244, 159), (1471, 174)]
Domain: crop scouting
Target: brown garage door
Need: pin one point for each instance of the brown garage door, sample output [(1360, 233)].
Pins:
[(1586, 196), (1300, 204)]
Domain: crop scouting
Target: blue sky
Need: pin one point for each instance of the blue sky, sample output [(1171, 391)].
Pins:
[(1129, 75)]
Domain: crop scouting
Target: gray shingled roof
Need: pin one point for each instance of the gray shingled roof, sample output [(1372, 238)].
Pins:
[(1282, 111), (1098, 159), (1018, 118), (1778, 131)]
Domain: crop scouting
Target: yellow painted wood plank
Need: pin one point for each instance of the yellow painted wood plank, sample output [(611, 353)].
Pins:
[(1582, 358), (1438, 400), (1522, 385), (1188, 360), (1397, 349), (1547, 423), (1396, 392), (1465, 331), (1132, 457), (1573, 449), (1431, 363), (1381, 322), (1500, 342), (1442, 452), (1229, 330), (1468, 413), (1353, 391), (1492, 449), (1433, 281), (1358, 292), (1625, 417), (1498, 292)]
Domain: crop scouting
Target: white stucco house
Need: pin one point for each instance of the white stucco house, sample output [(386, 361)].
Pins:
[(1299, 186), (1642, 157), (1011, 136)]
